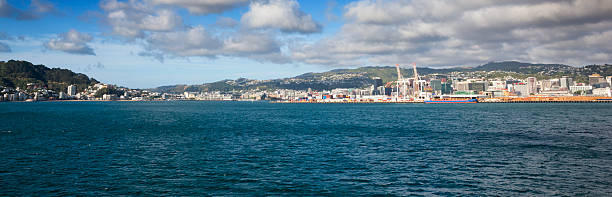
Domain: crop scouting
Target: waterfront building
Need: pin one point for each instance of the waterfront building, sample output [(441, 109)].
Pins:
[(388, 91), (72, 90), (62, 96), (467, 86), (521, 89), (597, 81), (532, 85), (436, 85), (478, 86), (582, 88), (382, 90), (510, 82), (546, 85), (377, 82), (462, 86), (497, 86), (446, 88), (23, 96), (109, 97), (602, 92), (190, 95), (565, 82)]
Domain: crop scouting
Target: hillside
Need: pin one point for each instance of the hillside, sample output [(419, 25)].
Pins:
[(361, 77), (20, 73), (519, 67)]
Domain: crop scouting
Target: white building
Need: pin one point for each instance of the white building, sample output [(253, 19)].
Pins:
[(109, 97), (62, 96), (580, 88), (565, 82), (532, 85), (72, 90), (602, 92), (521, 89), (190, 95), (497, 85)]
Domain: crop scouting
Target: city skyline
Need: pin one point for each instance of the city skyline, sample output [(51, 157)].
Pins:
[(144, 44)]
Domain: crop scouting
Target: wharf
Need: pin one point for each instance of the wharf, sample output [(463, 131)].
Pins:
[(528, 101), (345, 102), (569, 99)]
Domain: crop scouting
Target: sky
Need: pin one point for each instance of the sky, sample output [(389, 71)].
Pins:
[(149, 43)]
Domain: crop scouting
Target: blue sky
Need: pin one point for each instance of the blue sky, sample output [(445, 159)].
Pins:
[(149, 43)]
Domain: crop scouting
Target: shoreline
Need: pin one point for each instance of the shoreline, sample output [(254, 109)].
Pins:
[(515, 100), (351, 102)]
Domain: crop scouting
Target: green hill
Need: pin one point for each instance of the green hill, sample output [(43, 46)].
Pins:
[(19, 73), (520, 67)]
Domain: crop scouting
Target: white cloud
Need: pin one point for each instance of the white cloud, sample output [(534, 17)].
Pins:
[(282, 14), (203, 6), (197, 41), (71, 42), (163, 34), (133, 19), (375, 32), (251, 43), (445, 33)]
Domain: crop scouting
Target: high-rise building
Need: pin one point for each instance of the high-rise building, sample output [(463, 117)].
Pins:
[(62, 96), (546, 85), (462, 86), (497, 85), (521, 89), (596, 79), (377, 82), (476, 87), (72, 90), (479, 86), (375, 87), (565, 82), (510, 82), (436, 85), (445, 88), (382, 90), (388, 91), (532, 85)]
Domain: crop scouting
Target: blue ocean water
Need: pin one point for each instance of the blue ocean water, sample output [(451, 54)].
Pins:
[(254, 148)]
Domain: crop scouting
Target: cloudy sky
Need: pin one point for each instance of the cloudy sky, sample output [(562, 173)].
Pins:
[(148, 43)]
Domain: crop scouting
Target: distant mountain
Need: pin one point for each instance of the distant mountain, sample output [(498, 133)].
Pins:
[(20, 73), (603, 70), (519, 67), (361, 77)]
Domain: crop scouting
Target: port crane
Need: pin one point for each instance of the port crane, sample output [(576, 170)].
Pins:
[(401, 83), (415, 83)]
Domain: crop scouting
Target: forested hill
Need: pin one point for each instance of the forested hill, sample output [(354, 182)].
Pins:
[(20, 73)]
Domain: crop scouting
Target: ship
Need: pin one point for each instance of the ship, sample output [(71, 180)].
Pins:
[(452, 101)]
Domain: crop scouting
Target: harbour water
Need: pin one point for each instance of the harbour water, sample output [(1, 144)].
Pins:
[(233, 148)]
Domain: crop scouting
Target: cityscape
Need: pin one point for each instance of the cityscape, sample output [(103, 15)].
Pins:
[(420, 88)]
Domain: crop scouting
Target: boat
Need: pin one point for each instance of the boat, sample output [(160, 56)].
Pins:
[(452, 101)]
